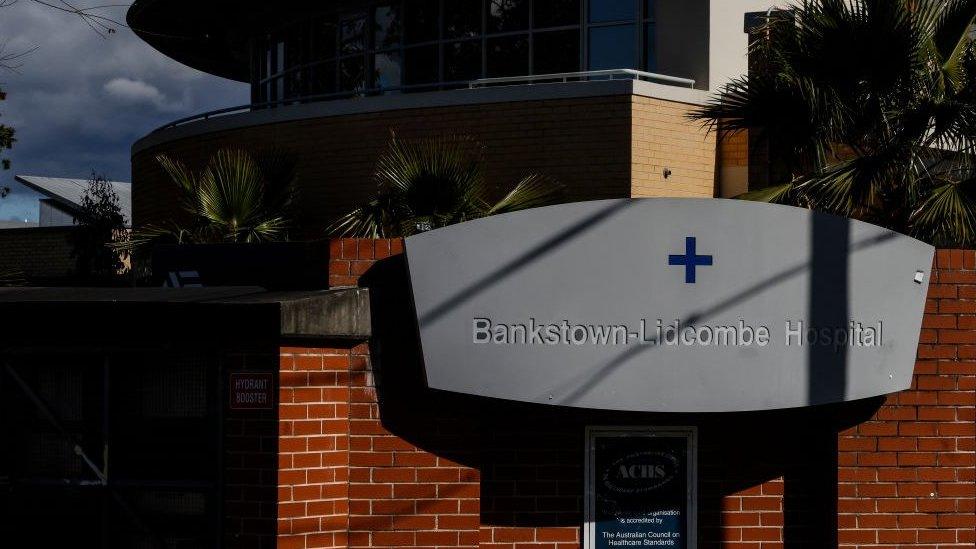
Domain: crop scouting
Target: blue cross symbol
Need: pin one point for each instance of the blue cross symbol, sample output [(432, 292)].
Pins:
[(691, 260)]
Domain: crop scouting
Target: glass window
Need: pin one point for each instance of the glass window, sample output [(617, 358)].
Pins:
[(508, 56), (421, 21), (277, 89), (265, 63), (508, 15), (462, 18), (386, 70), (555, 13), (323, 40), (279, 58), (293, 47), (352, 36), (322, 79), (556, 51), (462, 61), (612, 47), (386, 26), (293, 84), (420, 65), (612, 10), (352, 74), (650, 49)]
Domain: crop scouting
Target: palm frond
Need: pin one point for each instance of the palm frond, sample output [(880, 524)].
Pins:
[(231, 200), (950, 34), (378, 218), (424, 184), (947, 217), (775, 194), (532, 191)]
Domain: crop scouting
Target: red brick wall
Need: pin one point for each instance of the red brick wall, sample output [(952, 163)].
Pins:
[(907, 475), (313, 460), (249, 461), (432, 469), (350, 258)]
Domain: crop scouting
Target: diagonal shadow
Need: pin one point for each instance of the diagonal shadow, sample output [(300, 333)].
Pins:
[(583, 382), (547, 246)]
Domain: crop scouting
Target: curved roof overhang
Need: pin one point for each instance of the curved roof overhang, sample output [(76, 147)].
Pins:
[(212, 36)]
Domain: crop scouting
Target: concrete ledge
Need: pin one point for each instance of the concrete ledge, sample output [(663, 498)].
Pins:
[(449, 98), (152, 316), (342, 314)]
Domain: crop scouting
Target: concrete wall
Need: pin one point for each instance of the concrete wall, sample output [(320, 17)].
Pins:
[(728, 42)]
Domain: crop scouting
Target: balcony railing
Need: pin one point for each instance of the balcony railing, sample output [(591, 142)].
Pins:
[(612, 74), (585, 76)]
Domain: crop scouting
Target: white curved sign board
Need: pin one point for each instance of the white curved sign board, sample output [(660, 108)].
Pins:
[(670, 305)]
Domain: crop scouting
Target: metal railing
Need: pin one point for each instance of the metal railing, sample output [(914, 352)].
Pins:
[(562, 77), (565, 77)]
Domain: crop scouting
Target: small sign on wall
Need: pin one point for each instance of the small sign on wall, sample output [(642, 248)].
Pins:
[(251, 391), (640, 487)]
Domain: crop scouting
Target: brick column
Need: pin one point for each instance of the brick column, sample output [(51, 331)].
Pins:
[(907, 475), (313, 468)]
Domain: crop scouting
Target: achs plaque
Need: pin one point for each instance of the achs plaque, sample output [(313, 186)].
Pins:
[(640, 488)]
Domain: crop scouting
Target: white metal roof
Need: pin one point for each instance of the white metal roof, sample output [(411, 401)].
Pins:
[(69, 192)]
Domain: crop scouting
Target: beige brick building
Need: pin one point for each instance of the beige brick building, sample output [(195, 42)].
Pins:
[(605, 139), (593, 93)]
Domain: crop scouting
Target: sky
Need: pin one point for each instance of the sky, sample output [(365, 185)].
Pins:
[(79, 101)]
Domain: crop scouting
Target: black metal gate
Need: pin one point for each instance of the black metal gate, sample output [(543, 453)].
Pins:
[(111, 449)]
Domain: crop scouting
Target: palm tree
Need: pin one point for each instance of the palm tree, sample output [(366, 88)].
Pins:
[(871, 104), (236, 198), (425, 184)]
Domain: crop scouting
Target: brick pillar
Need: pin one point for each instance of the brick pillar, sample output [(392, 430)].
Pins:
[(906, 475), (313, 473)]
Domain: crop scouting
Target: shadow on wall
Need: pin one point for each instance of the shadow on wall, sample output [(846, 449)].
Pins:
[(530, 457)]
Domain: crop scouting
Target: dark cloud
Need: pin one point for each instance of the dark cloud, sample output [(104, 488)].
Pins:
[(79, 101)]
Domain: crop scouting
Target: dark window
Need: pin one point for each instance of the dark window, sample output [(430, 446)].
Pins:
[(650, 49), (612, 47), (508, 15), (352, 74), (555, 13), (265, 63), (649, 9), (323, 40), (650, 37), (322, 78), (462, 61), (278, 57), (462, 18), (421, 65), (458, 41), (387, 26), (508, 56), (294, 49), (387, 70), (422, 21), (612, 10), (294, 84), (556, 51), (278, 88), (352, 35)]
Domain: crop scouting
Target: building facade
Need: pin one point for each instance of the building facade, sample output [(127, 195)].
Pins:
[(593, 93), (213, 424), (336, 418)]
